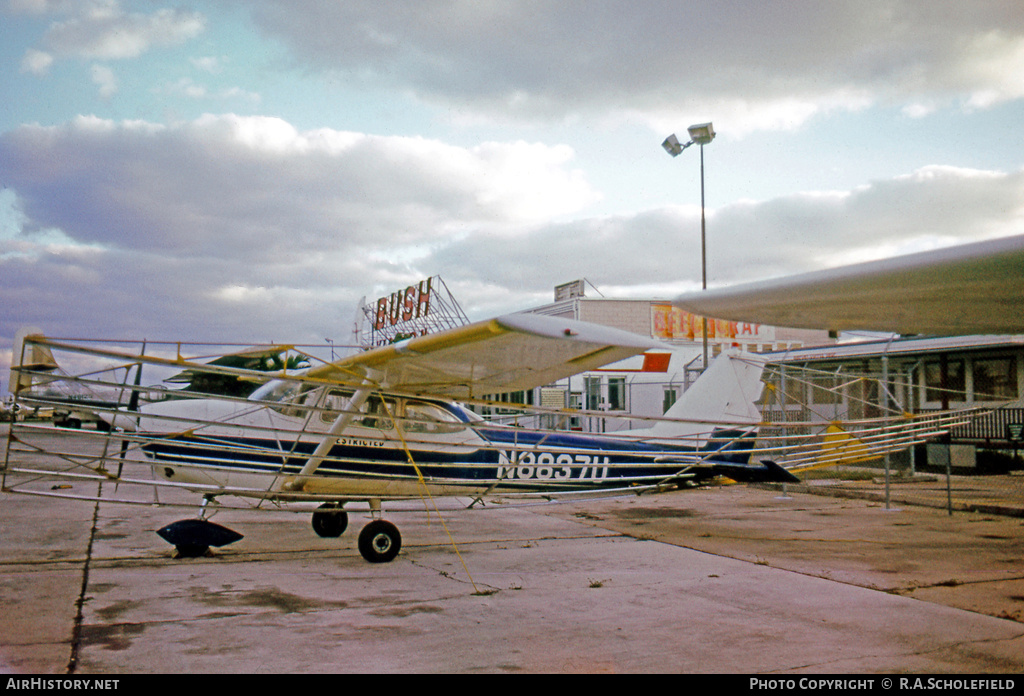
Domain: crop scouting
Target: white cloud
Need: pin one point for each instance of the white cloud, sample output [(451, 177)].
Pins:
[(763, 65), (36, 62), (103, 30), (239, 93), (919, 109), (103, 77), (189, 88), (230, 185), (209, 64), (994, 71), (35, 6), (751, 240)]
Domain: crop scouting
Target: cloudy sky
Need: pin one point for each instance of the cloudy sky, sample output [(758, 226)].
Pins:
[(218, 170)]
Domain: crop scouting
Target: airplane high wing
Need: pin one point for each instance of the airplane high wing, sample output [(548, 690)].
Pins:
[(968, 289), (510, 353)]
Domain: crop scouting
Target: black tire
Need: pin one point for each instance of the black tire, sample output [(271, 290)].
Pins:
[(380, 542), (329, 521)]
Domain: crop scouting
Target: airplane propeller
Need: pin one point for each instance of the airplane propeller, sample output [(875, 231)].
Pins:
[(133, 407)]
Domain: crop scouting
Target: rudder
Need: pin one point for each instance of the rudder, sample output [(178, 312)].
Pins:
[(723, 396)]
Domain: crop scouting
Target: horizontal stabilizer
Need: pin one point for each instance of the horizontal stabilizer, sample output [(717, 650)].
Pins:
[(767, 472)]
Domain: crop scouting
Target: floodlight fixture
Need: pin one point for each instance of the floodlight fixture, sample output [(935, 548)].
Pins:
[(673, 146), (701, 133)]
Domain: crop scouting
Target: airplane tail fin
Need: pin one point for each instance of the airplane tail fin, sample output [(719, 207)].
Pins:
[(29, 357), (719, 416), (723, 397)]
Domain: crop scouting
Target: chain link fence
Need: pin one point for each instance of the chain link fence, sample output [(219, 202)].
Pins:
[(976, 466)]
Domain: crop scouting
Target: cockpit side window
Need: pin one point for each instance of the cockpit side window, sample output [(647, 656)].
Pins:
[(275, 390), (299, 405), (377, 414), (374, 413), (334, 403)]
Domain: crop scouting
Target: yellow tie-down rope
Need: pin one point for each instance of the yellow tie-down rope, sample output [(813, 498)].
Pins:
[(426, 492)]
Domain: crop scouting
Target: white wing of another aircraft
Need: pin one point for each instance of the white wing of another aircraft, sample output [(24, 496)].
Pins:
[(968, 289), (510, 353)]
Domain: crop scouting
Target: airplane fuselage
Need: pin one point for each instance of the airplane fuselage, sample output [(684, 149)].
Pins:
[(405, 447)]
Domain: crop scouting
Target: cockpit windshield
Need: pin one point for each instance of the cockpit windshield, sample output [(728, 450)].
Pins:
[(279, 390)]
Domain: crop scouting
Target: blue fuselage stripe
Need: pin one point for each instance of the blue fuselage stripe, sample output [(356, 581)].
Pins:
[(562, 457)]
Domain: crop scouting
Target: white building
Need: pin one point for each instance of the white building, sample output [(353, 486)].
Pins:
[(627, 387)]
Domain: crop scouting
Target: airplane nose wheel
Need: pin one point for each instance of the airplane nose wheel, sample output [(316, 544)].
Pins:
[(380, 542)]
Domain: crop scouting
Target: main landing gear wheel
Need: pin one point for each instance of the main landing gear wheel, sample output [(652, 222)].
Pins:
[(380, 542), (330, 520)]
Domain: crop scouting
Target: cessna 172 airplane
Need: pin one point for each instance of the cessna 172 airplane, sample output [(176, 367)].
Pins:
[(390, 423)]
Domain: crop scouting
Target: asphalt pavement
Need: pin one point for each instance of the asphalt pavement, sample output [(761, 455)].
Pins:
[(728, 579)]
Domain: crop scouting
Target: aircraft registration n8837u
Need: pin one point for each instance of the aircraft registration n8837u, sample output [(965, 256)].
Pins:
[(390, 423)]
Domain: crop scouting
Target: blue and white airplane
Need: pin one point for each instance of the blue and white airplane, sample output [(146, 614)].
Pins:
[(387, 424)]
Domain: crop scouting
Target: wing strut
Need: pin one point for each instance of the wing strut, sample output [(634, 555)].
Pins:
[(344, 419), (419, 473)]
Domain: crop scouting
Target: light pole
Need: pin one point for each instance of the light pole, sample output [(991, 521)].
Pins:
[(701, 134)]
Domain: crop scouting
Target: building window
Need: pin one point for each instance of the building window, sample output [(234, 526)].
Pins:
[(669, 399), (592, 387), (995, 379), (575, 400), (945, 384), (617, 393), (519, 397)]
